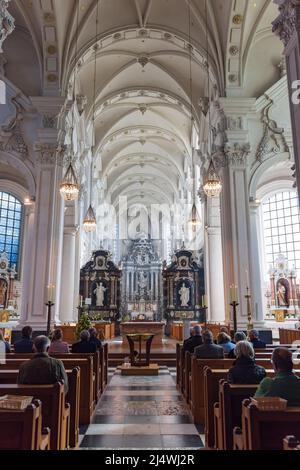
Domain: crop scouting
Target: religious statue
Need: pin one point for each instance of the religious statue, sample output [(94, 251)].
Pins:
[(281, 295), (99, 291), (3, 290), (184, 295)]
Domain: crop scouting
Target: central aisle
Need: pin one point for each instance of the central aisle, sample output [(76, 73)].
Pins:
[(141, 413)]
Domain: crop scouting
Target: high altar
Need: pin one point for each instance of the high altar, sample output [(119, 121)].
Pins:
[(100, 287), (284, 291), (141, 281)]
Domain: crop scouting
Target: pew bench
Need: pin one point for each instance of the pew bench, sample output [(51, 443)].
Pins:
[(22, 430), (55, 414), (265, 430), (87, 378)]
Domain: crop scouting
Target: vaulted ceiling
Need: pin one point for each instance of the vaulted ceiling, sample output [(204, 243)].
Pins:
[(150, 76)]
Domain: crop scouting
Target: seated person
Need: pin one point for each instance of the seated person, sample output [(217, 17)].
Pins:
[(224, 340), (285, 384), (94, 338), (42, 369), (84, 345), (254, 339), (195, 340), (224, 329), (209, 350), (24, 345), (238, 336), (245, 371), (57, 343), (4, 345)]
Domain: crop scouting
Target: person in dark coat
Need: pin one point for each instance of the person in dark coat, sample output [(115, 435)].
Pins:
[(84, 345), (209, 350), (245, 370), (195, 340), (42, 369), (254, 339), (25, 345), (94, 338)]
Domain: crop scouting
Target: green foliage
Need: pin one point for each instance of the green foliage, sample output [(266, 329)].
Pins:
[(83, 324)]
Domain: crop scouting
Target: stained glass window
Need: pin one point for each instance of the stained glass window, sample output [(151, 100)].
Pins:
[(282, 228), (11, 211)]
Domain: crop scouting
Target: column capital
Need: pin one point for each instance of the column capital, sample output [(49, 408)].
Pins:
[(237, 153), (49, 153), (288, 22)]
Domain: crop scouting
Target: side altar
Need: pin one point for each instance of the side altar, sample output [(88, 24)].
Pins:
[(149, 328), (100, 287)]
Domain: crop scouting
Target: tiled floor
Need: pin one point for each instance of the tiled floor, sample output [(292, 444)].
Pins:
[(142, 413)]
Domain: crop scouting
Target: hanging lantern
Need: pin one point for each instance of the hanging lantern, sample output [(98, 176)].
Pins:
[(195, 219), (212, 185), (69, 187), (90, 223)]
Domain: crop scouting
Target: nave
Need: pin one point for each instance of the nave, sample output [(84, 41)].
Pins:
[(142, 413)]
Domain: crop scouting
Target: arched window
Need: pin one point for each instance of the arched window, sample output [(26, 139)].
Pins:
[(11, 211), (282, 228)]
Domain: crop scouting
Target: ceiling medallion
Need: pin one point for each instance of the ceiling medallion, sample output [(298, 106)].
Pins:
[(238, 19), (143, 32), (51, 50), (233, 50), (143, 61), (52, 78)]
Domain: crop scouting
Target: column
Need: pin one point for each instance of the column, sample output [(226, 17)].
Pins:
[(67, 304), (214, 262), (236, 226), (287, 27), (255, 265)]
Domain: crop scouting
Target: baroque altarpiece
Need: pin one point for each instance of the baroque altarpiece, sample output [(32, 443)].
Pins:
[(183, 286), (100, 287)]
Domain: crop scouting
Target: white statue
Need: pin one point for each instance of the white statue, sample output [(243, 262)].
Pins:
[(184, 295), (99, 291)]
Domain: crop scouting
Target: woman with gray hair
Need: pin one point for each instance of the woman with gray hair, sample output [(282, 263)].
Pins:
[(245, 370)]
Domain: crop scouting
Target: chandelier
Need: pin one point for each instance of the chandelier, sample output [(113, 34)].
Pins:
[(69, 187), (195, 220), (212, 184), (90, 222)]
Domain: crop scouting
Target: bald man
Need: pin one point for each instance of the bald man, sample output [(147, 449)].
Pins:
[(285, 383)]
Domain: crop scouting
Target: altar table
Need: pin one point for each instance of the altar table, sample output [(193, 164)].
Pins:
[(150, 328)]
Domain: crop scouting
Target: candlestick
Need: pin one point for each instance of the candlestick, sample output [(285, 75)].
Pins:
[(49, 306), (234, 306), (249, 313)]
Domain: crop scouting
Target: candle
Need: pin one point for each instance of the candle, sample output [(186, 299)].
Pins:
[(247, 278), (81, 301), (231, 294), (51, 293)]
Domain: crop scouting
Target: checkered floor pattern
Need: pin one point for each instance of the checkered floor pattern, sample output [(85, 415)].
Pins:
[(142, 413)]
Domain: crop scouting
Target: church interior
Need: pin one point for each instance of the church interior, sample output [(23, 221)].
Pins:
[(149, 224)]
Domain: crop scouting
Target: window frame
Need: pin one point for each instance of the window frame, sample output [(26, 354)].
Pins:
[(21, 232)]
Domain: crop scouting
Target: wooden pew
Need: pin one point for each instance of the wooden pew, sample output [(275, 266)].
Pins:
[(212, 378), (187, 372), (265, 430), (178, 363), (288, 336), (22, 430), (229, 408), (291, 443), (97, 367), (72, 397), (87, 402), (197, 382), (54, 413)]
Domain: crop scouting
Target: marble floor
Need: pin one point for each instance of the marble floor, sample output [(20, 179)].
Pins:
[(142, 413)]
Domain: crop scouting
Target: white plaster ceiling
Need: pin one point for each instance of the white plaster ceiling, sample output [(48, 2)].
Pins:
[(143, 93)]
